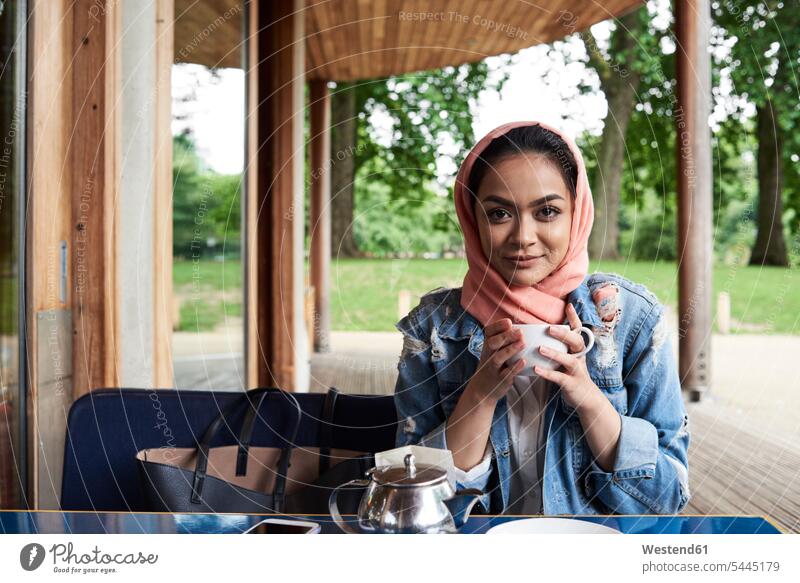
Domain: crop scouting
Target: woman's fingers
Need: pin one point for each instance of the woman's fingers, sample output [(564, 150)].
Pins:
[(568, 361), (512, 371), (571, 338), (501, 356), (501, 339), (572, 316), (555, 376), (501, 379), (497, 327)]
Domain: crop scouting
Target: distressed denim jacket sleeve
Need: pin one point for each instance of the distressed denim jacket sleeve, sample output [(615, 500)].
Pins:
[(416, 394), (421, 419), (650, 473)]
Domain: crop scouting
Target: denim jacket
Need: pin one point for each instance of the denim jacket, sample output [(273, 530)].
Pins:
[(631, 363)]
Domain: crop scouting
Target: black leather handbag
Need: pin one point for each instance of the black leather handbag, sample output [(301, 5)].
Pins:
[(249, 479), (334, 468), (206, 479)]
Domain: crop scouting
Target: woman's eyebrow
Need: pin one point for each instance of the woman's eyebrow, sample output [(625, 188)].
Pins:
[(501, 200)]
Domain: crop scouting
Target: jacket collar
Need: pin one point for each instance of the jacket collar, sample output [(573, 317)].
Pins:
[(460, 324)]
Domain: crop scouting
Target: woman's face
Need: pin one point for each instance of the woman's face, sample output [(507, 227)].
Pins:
[(524, 209)]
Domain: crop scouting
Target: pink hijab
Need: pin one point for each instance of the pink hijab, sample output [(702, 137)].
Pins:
[(486, 294)]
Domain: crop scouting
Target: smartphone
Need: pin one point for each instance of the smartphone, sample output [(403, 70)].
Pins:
[(283, 526)]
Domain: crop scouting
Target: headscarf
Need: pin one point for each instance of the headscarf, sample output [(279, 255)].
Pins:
[(486, 294)]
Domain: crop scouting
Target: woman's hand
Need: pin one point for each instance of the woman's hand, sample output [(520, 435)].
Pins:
[(467, 431), (495, 374), (600, 421), (576, 385)]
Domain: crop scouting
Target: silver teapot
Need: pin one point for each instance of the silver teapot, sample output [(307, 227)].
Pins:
[(405, 500)]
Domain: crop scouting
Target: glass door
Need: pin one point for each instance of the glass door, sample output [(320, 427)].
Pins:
[(12, 200), (208, 124)]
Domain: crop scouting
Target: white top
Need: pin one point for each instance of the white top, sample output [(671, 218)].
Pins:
[(527, 401)]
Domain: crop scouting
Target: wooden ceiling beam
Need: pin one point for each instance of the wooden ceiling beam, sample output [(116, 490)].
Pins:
[(358, 39)]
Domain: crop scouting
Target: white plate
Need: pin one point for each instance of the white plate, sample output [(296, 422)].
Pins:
[(551, 526)]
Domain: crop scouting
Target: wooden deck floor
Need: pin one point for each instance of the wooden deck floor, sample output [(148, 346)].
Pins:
[(734, 469)]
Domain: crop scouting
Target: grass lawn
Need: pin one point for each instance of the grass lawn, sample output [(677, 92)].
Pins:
[(9, 306), (364, 292), (207, 274), (205, 289)]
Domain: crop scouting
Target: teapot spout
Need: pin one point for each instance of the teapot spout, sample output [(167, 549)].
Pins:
[(461, 505)]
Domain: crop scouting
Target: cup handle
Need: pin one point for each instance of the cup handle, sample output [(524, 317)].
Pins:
[(588, 347)]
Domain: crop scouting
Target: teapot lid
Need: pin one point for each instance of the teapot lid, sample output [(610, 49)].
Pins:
[(410, 474)]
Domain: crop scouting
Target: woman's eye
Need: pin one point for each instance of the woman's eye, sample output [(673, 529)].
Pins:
[(550, 212), (497, 214)]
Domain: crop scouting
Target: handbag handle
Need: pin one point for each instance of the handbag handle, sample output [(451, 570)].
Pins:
[(249, 422), (326, 430), (204, 446)]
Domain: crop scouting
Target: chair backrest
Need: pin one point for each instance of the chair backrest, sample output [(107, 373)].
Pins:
[(107, 427)]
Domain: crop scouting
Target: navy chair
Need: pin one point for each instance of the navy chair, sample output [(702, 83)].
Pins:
[(107, 427)]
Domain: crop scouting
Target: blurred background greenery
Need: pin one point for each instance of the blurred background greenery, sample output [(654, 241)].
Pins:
[(398, 141)]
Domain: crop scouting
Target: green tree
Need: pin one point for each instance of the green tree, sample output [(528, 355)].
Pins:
[(344, 132), (427, 113), (206, 215), (764, 41), (186, 170), (633, 63), (648, 205)]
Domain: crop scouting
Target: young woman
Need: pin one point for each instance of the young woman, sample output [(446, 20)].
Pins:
[(606, 432)]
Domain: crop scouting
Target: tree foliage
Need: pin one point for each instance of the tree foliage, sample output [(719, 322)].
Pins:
[(206, 211), (407, 125), (757, 52), (741, 77)]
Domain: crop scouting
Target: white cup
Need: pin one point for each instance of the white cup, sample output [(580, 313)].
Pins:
[(536, 335)]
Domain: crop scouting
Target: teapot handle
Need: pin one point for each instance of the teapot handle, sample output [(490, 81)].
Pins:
[(461, 503), (333, 507)]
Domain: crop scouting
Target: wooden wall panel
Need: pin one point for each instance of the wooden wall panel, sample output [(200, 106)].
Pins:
[(162, 194), (49, 224), (50, 107), (74, 177)]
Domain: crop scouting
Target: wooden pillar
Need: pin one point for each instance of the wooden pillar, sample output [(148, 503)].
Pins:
[(162, 196), (695, 203), (280, 347), (320, 223), (94, 154), (250, 198)]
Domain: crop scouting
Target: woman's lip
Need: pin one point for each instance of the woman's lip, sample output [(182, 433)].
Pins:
[(523, 262)]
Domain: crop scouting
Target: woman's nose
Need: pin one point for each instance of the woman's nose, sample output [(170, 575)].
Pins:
[(525, 233)]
